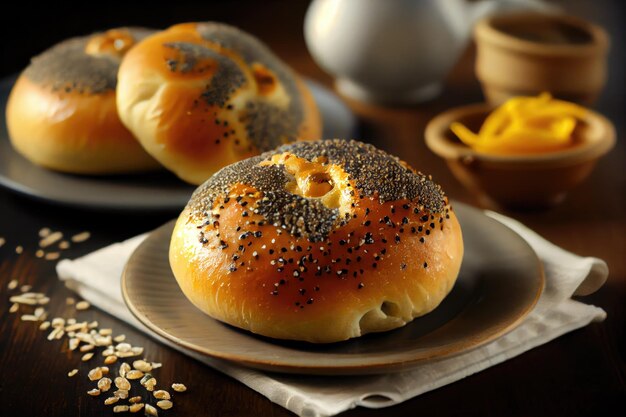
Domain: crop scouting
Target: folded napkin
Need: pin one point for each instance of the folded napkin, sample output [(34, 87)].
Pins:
[(95, 277)]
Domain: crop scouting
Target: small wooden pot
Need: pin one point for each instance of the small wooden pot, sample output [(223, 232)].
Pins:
[(526, 54)]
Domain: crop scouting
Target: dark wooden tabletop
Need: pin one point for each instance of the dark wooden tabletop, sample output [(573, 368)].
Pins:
[(580, 374)]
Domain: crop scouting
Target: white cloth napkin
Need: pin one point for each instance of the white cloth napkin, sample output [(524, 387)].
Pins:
[(96, 278)]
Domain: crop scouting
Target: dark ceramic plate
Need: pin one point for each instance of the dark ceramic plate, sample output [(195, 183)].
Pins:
[(500, 281)]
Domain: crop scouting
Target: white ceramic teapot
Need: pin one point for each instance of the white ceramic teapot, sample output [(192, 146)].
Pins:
[(394, 51)]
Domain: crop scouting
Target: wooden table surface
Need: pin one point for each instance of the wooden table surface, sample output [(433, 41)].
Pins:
[(580, 373)]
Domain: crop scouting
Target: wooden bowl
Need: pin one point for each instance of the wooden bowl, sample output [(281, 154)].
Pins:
[(528, 53), (529, 181)]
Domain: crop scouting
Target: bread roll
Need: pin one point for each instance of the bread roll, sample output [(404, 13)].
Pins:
[(317, 241), (200, 96), (62, 114)]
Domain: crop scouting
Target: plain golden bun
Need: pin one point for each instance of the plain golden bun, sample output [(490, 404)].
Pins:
[(317, 241), (62, 113), (200, 96)]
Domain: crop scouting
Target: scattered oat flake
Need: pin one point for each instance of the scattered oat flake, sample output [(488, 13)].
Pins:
[(64, 244), (151, 411), (13, 284), (73, 344), (94, 392), (122, 383), (82, 305), (120, 408), (19, 249), (50, 239), (142, 365), (2, 241), (23, 300), (165, 404), (80, 237), (26, 288), (29, 317), (51, 256), (72, 372), (102, 340), (121, 394), (109, 360), (123, 347), (134, 374), (86, 348), (58, 322), (74, 327), (104, 384), (44, 326), (44, 231), (136, 350), (14, 308), (120, 338), (95, 374), (161, 395), (53, 334), (40, 253), (136, 407), (179, 387), (31, 295), (70, 301), (135, 400), (124, 368), (111, 400), (148, 382), (87, 356)]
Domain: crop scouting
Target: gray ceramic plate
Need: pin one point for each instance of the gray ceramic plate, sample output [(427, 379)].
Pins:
[(500, 281), (141, 192)]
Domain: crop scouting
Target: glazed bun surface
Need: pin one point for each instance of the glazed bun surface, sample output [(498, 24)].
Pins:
[(200, 96), (317, 241), (62, 112)]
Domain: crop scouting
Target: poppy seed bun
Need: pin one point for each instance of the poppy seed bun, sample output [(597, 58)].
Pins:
[(200, 96), (62, 114), (317, 241)]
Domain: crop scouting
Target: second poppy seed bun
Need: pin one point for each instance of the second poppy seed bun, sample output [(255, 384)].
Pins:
[(200, 96), (317, 241), (62, 114)]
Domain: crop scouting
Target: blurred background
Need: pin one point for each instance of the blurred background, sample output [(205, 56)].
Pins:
[(28, 30)]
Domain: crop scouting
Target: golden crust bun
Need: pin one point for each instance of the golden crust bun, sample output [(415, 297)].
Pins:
[(62, 114), (317, 241), (200, 96)]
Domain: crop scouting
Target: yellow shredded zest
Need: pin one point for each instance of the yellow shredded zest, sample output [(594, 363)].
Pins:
[(525, 125)]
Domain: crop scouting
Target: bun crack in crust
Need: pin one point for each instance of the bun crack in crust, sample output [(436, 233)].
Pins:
[(200, 96), (62, 112), (317, 241)]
